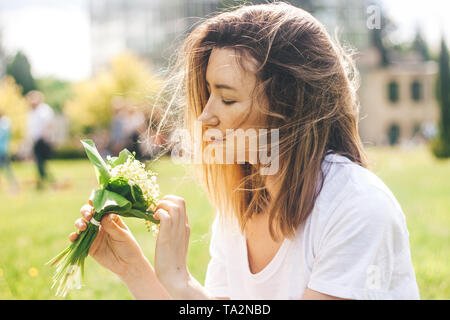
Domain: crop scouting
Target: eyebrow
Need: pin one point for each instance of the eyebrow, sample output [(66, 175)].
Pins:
[(221, 86)]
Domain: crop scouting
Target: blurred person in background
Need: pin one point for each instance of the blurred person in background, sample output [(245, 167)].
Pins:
[(135, 125), (117, 135), (40, 124), (127, 125), (5, 137)]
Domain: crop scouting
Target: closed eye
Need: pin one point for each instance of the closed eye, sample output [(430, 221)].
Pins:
[(228, 102)]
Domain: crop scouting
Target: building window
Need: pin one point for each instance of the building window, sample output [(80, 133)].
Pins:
[(393, 134), (416, 91), (393, 91)]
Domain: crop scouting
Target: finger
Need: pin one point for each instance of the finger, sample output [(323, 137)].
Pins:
[(161, 214), (86, 207), (186, 218), (173, 209), (181, 204), (176, 199), (119, 221), (188, 234), (80, 224), (112, 228), (87, 211), (73, 236), (87, 216), (167, 205)]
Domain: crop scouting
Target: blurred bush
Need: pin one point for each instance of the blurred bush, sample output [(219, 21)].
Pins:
[(15, 107), (68, 152), (127, 76), (440, 148)]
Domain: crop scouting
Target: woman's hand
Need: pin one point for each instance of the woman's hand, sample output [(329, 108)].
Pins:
[(172, 244), (114, 247)]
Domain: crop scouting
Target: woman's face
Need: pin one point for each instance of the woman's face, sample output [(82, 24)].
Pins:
[(231, 103)]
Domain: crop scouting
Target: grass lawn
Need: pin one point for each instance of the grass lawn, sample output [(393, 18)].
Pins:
[(34, 224), (421, 184)]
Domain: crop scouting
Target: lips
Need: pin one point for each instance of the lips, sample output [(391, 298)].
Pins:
[(217, 140)]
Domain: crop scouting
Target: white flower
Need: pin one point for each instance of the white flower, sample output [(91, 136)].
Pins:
[(155, 230), (134, 171)]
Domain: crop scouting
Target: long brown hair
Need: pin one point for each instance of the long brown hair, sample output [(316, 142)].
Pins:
[(310, 83)]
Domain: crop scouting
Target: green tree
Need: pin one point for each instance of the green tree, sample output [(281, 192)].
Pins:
[(420, 46), (56, 91), (380, 37), (19, 68), (441, 145)]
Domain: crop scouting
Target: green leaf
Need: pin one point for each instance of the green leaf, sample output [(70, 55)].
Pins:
[(101, 170), (120, 185), (110, 161), (150, 217), (123, 157), (107, 201), (135, 213), (138, 198)]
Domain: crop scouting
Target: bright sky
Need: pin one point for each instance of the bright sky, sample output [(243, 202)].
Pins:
[(55, 34), (431, 15)]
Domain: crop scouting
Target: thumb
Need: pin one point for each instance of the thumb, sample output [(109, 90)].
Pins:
[(112, 228)]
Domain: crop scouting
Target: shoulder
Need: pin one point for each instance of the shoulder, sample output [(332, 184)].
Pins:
[(356, 214), (45, 110), (355, 194)]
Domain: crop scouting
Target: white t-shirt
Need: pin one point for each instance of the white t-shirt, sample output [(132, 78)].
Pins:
[(354, 245), (39, 121)]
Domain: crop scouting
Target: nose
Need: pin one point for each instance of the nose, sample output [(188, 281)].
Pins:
[(208, 119)]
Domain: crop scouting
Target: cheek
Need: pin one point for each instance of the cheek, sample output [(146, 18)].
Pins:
[(228, 118), (254, 118), (241, 116), (232, 116)]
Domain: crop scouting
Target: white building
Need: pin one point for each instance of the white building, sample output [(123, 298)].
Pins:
[(347, 17), (398, 102)]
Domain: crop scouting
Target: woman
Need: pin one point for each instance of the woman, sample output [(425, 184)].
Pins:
[(322, 226)]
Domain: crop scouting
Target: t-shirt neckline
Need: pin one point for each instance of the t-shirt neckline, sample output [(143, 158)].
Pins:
[(271, 267)]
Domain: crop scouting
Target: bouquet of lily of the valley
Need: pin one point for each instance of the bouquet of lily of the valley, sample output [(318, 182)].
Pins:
[(125, 188)]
